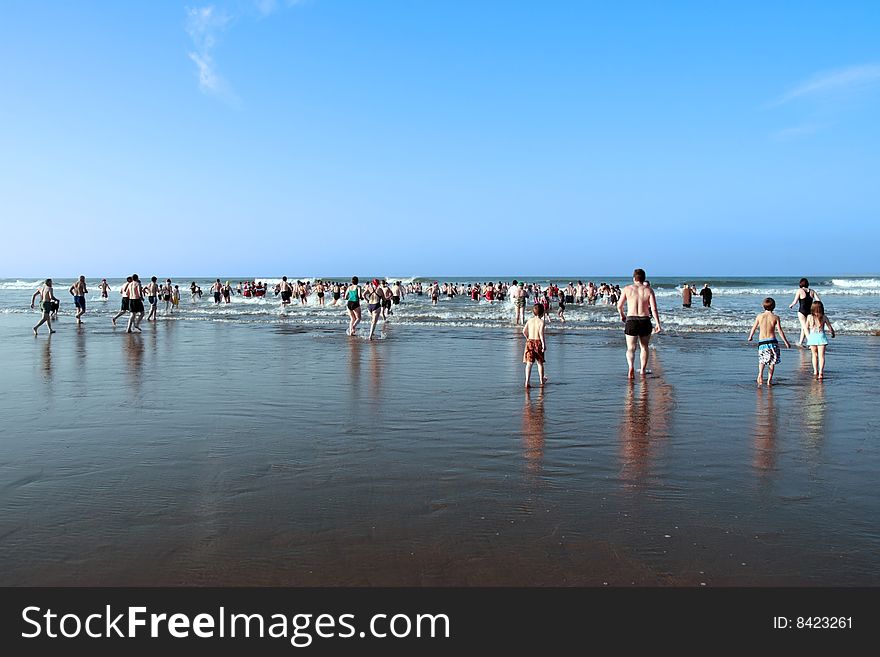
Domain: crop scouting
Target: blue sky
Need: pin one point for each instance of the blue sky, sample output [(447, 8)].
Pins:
[(431, 137)]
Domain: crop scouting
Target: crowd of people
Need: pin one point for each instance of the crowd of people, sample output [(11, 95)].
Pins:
[(636, 303)]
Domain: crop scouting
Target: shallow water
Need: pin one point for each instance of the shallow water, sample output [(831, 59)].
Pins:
[(272, 453), (853, 304)]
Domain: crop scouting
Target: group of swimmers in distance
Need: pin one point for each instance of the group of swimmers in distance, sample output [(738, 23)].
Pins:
[(636, 303)]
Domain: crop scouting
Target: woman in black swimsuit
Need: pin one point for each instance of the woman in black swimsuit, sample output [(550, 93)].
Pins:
[(804, 299)]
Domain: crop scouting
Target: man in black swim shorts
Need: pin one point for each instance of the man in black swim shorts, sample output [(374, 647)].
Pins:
[(641, 305), (638, 326)]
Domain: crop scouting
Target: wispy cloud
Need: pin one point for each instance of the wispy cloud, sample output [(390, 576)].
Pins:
[(832, 82), (204, 24), (795, 132)]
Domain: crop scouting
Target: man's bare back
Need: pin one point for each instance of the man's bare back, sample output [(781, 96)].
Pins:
[(639, 299)]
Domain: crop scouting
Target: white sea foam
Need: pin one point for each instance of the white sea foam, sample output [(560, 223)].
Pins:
[(871, 283), (21, 285)]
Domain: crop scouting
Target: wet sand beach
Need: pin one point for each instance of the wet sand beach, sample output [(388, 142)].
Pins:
[(206, 453)]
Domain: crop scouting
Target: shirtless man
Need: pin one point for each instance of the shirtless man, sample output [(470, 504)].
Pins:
[(319, 292), (135, 294), (434, 290), (104, 287), (152, 293), (386, 301), (592, 293), (217, 289), (518, 296), (123, 310), (47, 296), (641, 305), (396, 293), (79, 291), (686, 293), (286, 292)]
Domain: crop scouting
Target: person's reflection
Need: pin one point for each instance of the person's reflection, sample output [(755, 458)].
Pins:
[(635, 428), (80, 349), (533, 431), (47, 359), (644, 422), (354, 365), (765, 431), (376, 365), (133, 348), (813, 407)]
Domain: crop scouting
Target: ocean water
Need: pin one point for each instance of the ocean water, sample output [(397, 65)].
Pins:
[(852, 303), (234, 446)]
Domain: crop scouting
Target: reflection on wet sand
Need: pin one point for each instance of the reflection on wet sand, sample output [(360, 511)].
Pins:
[(376, 365), (354, 365), (644, 422), (766, 423), (47, 359), (133, 350), (814, 409), (533, 431)]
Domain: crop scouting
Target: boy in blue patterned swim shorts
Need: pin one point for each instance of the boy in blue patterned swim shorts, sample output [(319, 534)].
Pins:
[(768, 346)]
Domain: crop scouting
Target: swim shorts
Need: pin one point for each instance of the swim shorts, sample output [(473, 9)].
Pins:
[(124, 304), (351, 305), (46, 306), (285, 295), (395, 300), (79, 302), (136, 306), (768, 352), (534, 352), (638, 326)]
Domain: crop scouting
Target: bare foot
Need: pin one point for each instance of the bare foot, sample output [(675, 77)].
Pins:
[(759, 381), (545, 379), (631, 374), (51, 330), (35, 332), (820, 377), (769, 382), (113, 319)]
